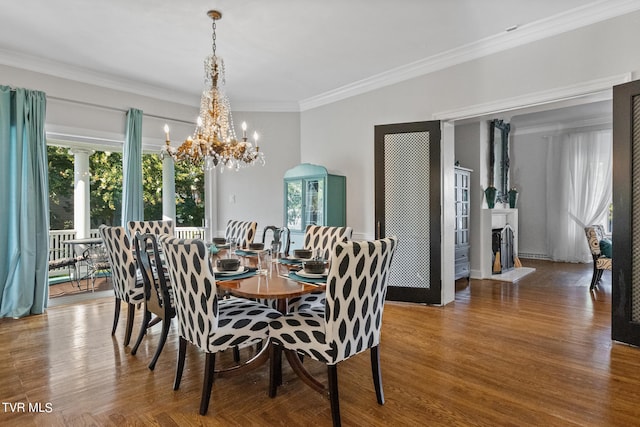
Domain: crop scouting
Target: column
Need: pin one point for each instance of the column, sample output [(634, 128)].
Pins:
[(168, 190), (81, 198), (210, 202)]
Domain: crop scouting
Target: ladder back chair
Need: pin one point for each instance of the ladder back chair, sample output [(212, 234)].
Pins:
[(158, 296)]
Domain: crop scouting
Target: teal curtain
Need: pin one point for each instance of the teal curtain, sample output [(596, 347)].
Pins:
[(132, 206), (24, 203)]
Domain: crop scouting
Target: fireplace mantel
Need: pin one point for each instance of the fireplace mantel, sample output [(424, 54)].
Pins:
[(490, 219)]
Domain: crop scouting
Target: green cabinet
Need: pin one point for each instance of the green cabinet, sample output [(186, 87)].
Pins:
[(313, 196)]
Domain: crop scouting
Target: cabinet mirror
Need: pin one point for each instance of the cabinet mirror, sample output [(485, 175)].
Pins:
[(499, 158)]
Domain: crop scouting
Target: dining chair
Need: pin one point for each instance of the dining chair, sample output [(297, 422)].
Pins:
[(243, 231), (601, 261), (280, 236), (154, 227), (158, 295), (127, 282), (350, 322), (204, 320), (322, 238)]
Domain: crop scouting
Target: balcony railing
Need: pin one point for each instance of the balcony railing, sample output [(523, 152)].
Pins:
[(58, 249)]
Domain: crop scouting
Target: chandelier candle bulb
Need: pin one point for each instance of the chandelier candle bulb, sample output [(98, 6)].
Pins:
[(166, 132), (244, 130)]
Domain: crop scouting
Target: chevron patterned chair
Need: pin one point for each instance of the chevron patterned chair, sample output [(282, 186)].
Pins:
[(204, 320), (322, 238), (595, 235), (127, 282), (243, 231), (350, 322), (154, 227)]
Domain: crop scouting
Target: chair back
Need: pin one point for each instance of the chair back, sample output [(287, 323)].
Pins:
[(243, 231), (356, 290), (279, 235), (194, 287), (156, 288), (324, 238), (153, 227), (594, 233), (126, 285)]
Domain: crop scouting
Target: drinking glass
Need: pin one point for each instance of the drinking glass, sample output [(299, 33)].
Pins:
[(233, 245)]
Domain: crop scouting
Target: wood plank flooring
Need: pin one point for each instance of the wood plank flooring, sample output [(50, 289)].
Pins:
[(536, 352)]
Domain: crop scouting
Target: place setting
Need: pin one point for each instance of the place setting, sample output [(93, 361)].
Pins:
[(314, 271), (231, 269)]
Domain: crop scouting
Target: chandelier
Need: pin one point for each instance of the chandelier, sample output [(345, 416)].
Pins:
[(214, 142)]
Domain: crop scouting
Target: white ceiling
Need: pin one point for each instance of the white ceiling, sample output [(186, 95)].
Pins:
[(278, 53)]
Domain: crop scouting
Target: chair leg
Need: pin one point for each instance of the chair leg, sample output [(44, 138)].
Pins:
[(332, 373), (182, 352), (131, 312), (116, 316), (143, 331), (275, 369), (594, 278), (236, 354), (166, 325), (209, 370), (377, 373)]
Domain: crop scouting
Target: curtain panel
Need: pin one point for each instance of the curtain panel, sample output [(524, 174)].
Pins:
[(132, 204), (24, 203), (579, 191)]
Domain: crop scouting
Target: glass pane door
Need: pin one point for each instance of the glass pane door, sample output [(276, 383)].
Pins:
[(314, 202), (294, 205)]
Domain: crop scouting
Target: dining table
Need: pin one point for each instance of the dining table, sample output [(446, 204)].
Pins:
[(278, 282)]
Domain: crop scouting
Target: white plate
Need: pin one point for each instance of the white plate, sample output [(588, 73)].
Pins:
[(303, 273), (238, 271)]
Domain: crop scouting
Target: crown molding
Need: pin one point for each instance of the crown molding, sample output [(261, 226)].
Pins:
[(83, 75), (594, 90), (69, 72), (575, 18)]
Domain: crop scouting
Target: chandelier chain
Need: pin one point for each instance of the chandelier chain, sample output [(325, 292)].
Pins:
[(213, 37)]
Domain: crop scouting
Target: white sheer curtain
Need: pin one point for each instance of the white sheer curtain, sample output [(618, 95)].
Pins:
[(579, 168)]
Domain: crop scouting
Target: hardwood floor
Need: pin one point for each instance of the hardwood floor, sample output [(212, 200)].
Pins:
[(537, 352)]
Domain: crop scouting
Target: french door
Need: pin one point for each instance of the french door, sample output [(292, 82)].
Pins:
[(407, 205), (625, 273)]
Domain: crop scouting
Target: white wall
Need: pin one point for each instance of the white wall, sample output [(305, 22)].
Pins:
[(257, 193), (528, 173), (340, 135)]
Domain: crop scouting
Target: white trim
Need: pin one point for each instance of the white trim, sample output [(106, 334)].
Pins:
[(553, 128), (597, 90), (554, 25)]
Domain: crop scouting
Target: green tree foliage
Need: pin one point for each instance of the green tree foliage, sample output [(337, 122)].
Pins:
[(106, 189), (60, 188)]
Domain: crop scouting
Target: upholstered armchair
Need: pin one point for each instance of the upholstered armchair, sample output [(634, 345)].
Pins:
[(601, 259), (350, 321)]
